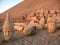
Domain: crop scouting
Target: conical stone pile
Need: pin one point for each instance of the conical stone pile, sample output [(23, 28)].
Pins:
[(7, 28)]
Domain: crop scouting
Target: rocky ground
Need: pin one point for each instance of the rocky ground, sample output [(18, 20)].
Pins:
[(42, 37)]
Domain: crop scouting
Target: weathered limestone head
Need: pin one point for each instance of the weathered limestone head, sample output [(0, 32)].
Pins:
[(7, 28)]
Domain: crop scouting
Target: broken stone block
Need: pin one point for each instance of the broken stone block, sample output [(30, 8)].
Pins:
[(51, 28), (50, 25), (46, 13), (58, 26), (28, 18), (58, 18), (42, 21), (19, 26), (38, 27), (52, 11), (57, 11), (29, 28), (57, 22), (33, 18)]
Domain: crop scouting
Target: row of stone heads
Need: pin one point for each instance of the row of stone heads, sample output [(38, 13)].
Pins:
[(42, 13)]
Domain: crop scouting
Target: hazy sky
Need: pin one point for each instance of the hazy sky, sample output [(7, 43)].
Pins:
[(6, 4)]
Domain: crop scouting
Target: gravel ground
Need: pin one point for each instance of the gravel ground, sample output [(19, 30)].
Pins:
[(42, 37)]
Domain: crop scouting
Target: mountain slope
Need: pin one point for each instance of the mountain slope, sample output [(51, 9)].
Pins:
[(28, 6)]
